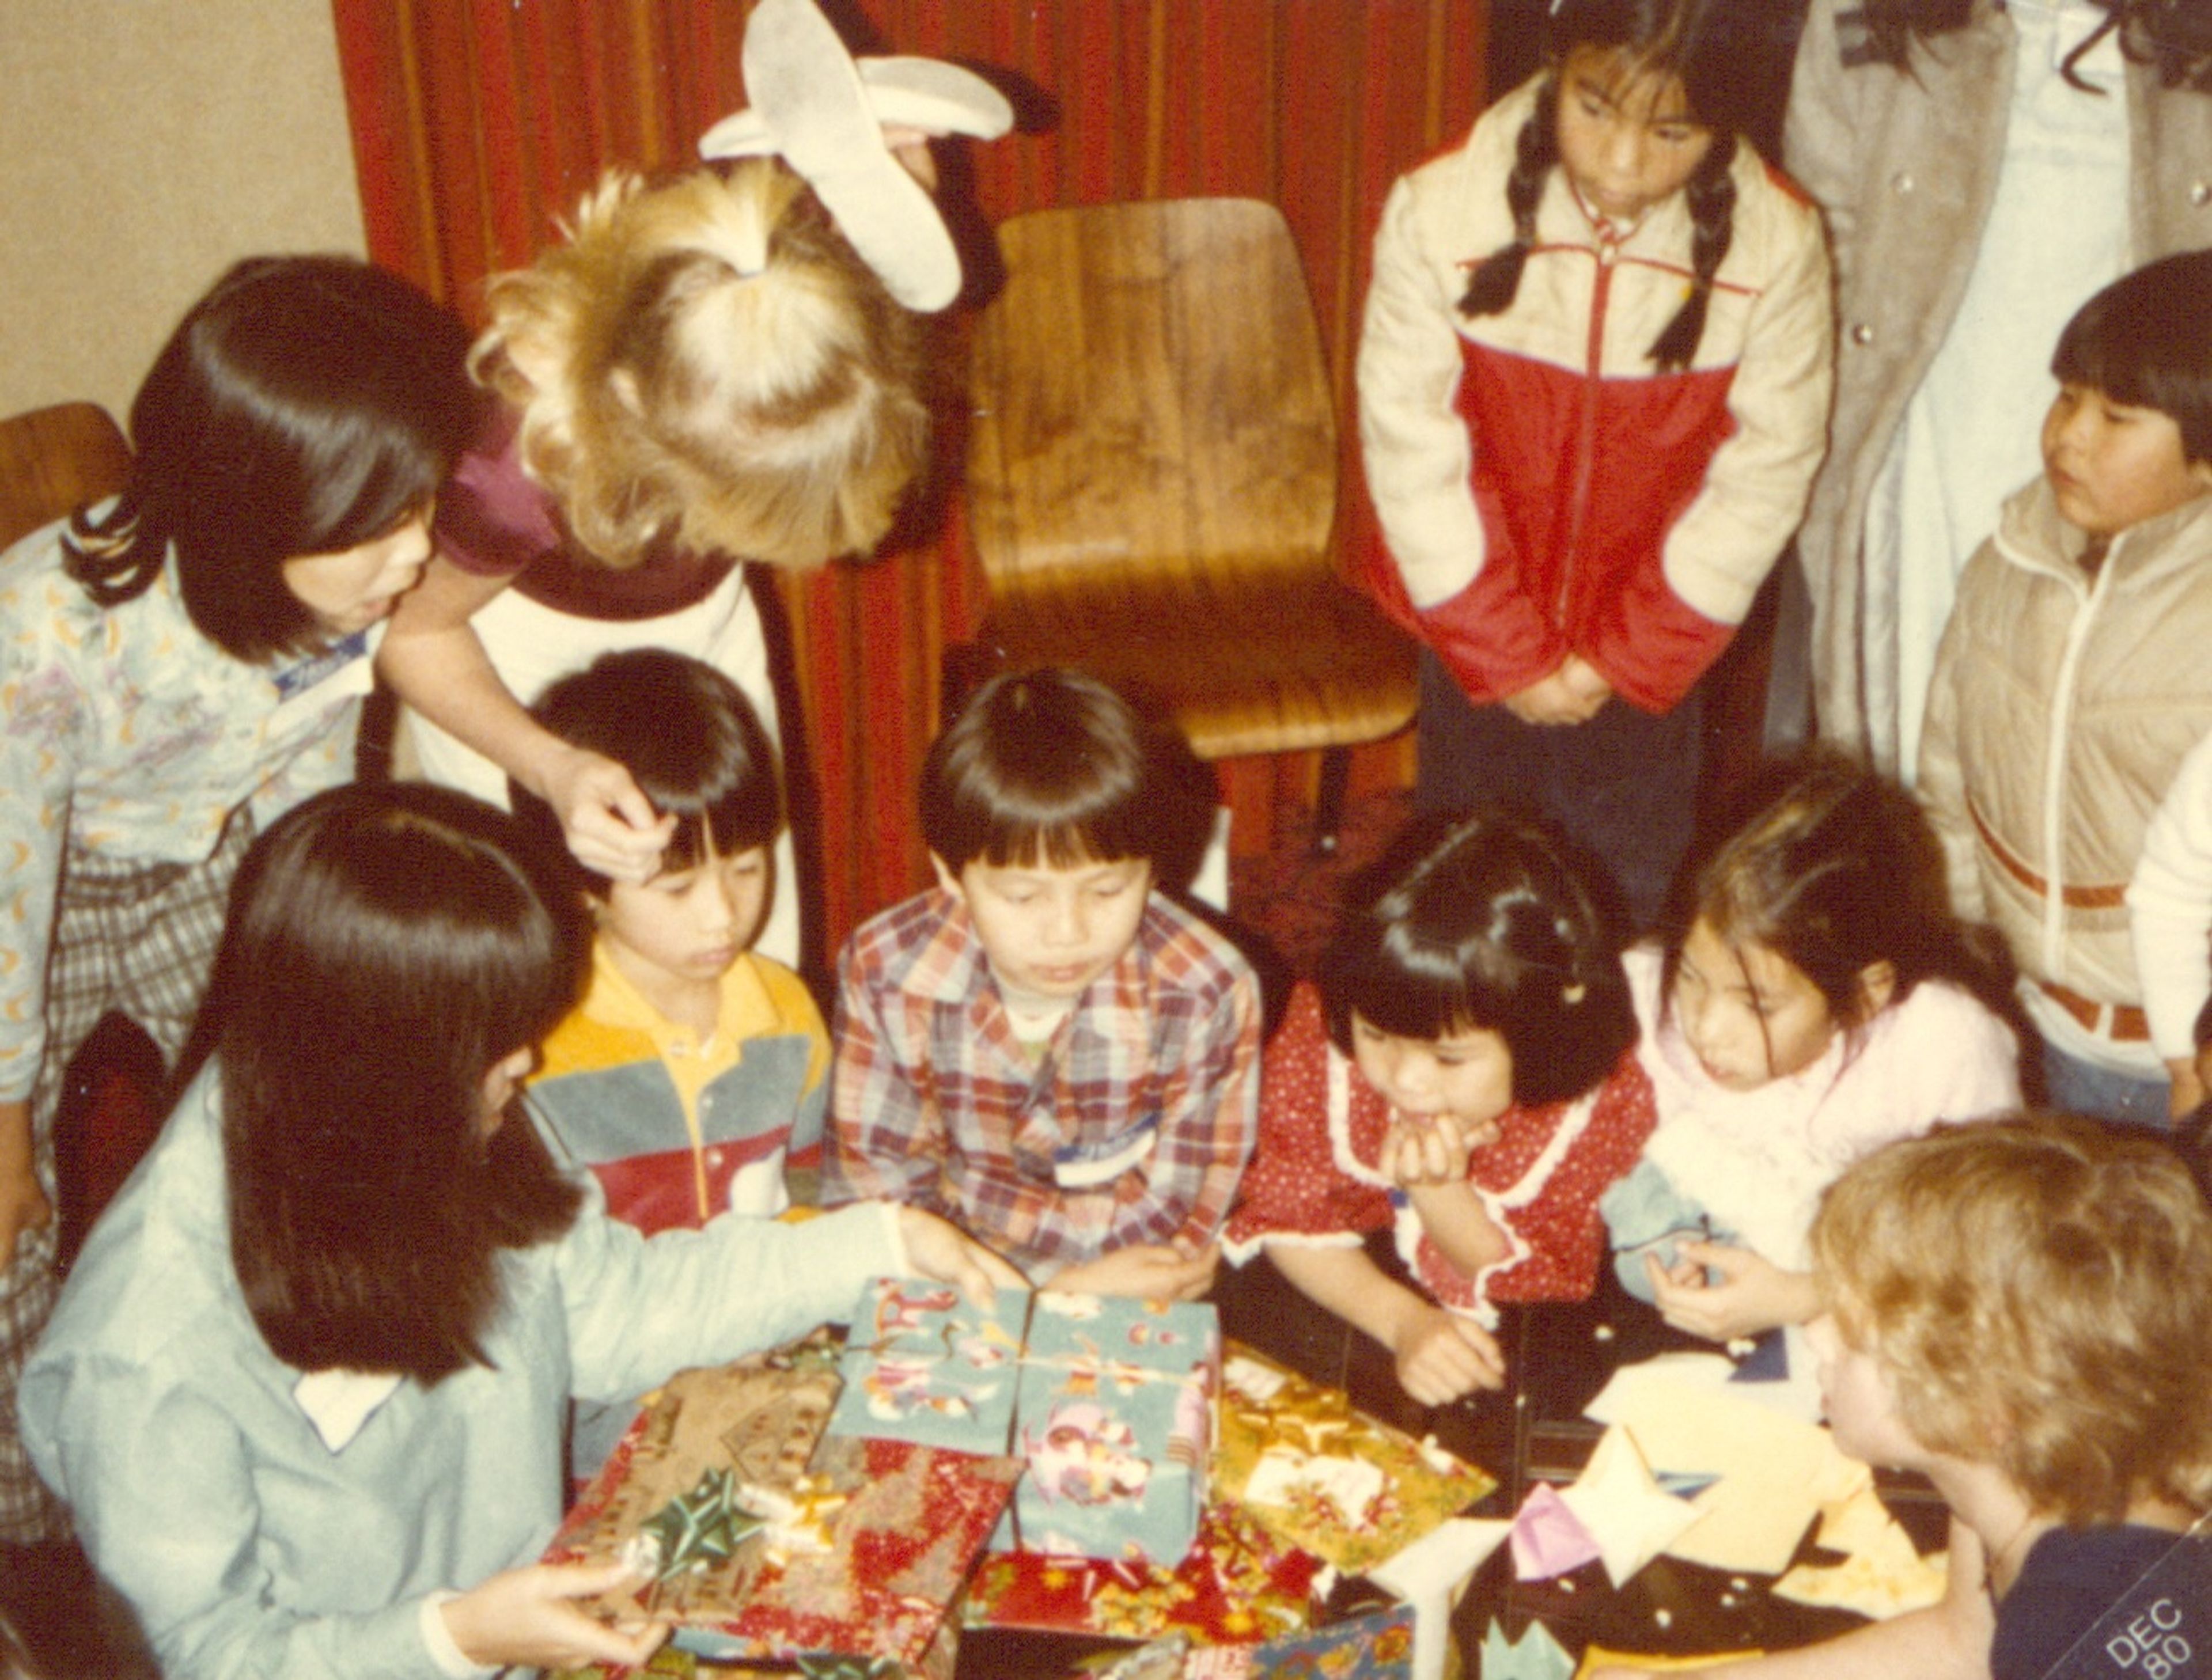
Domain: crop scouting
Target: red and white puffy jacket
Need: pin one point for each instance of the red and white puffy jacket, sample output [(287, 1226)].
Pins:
[(1540, 489)]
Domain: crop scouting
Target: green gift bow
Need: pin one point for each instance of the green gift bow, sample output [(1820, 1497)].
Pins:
[(696, 1531)]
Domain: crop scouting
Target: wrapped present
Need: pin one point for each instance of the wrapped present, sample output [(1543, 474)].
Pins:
[(1107, 1403), (1377, 1646), (1327, 1477), (1236, 1585), (756, 1547), (922, 1365)]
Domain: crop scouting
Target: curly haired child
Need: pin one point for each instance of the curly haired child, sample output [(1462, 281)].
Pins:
[(2023, 1312), (703, 373)]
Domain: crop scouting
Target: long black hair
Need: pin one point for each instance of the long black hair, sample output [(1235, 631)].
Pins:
[(2175, 35), (1835, 870), (388, 945), (690, 738), (306, 405)]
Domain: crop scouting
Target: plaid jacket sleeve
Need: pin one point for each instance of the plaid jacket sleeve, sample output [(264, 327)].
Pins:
[(885, 1138), (1209, 1120)]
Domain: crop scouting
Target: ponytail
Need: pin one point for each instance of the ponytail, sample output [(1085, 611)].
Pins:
[(114, 556), (1711, 196), (1491, 288)]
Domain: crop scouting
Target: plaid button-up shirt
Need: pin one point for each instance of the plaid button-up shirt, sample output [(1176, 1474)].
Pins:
[(1132, 1127)]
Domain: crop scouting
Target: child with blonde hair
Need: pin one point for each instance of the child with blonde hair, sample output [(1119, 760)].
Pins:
[(2023, 1312), (703, 373)]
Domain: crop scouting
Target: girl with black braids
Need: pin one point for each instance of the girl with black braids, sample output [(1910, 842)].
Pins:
[(1593, 386)]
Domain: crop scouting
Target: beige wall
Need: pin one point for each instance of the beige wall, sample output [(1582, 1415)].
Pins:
[(147, 144)]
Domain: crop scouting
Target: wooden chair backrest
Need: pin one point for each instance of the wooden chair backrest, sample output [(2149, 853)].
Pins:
[(1150, 398), (53, 461)]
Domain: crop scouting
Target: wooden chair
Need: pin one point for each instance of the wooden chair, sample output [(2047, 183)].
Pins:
[(52, 461), (1151, 480)]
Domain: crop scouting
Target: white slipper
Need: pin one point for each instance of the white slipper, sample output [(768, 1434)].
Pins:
[(927, 94), (812, 106)]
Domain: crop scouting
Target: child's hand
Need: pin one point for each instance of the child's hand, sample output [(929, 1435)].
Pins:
[(1145, 1271), (1547, 700), (1587, 683), (1442, 1357), (1753, 1293), (939, 1249), (2186, 1094), (1566, 696), (528, 1618), (609, 825), (1431, 1149), (23, 1205)]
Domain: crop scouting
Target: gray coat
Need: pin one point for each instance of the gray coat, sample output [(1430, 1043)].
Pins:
[(1906, 167)]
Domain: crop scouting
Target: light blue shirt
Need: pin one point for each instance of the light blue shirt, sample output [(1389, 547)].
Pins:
[(209, 1495)]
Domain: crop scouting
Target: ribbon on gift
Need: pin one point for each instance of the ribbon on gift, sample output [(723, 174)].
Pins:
[(1312, 1437), (696, 1530), (797, 1519), (1306, 1447), (899, 1377), (1290, 1436)]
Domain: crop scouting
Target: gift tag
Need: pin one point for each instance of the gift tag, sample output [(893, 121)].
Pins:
[(1086, 1166)]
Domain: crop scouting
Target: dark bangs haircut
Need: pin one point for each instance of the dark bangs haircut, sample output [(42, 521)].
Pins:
[(1052, 766), (1486, 923), (1703, 43), (306, 405), (388, 945), (689, 739), (2146, 341)]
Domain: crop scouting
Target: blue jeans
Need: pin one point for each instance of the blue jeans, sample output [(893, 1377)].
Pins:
[(2076, 1087)]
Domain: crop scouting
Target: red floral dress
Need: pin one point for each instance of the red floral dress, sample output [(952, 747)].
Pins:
[(1313, 1178)]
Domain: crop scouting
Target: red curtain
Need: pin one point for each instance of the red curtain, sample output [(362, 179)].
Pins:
[(477, 123)]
